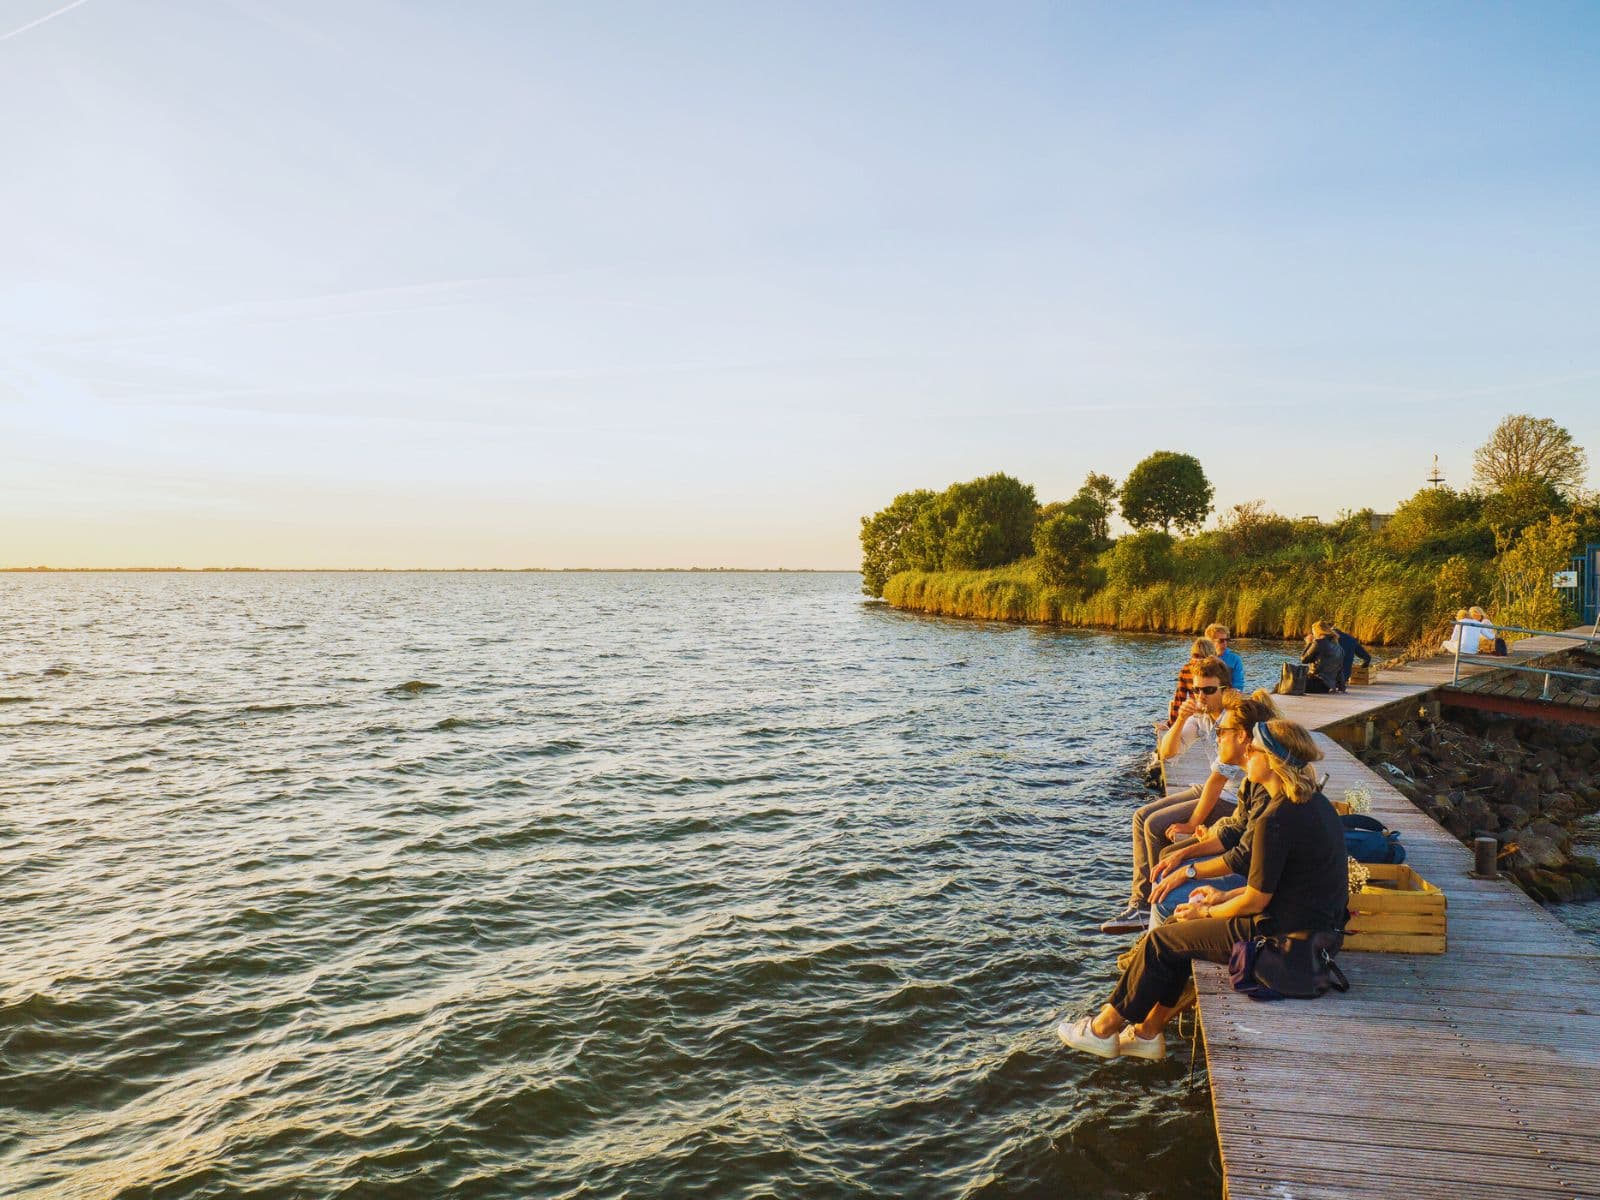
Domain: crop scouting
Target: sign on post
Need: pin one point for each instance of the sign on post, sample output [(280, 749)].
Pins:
[(1564, 579)]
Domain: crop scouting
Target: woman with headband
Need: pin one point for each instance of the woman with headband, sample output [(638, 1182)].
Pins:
[(1297, 882)]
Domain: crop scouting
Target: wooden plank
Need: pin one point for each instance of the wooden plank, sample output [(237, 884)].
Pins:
[(1499, 1036)]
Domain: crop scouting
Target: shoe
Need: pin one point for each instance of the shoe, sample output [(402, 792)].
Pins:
[(1080, 1035), (1131, 1045), (1133, 919)]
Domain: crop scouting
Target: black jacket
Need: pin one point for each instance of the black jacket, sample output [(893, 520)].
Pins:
[(1325, 658)]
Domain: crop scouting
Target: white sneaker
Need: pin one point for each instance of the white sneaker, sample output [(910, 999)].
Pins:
[(1080, 1035), (1131, 1045)]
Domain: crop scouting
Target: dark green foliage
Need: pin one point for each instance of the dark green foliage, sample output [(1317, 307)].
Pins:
[(1521, 503), (1140, 558), (893, 540), (1066, 546), (1438, 522), (985, 523), (1167, 490), (1096, 503), (1250, 530)]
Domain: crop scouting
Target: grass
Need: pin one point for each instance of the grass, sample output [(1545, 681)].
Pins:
[(1381, 603)]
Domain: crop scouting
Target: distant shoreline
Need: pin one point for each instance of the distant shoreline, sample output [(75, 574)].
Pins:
[(429, 571)]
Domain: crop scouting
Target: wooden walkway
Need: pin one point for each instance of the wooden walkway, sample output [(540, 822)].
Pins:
[(1472, 1075)]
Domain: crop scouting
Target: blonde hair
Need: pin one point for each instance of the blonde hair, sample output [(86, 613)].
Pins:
[(1320, 629), (1462, 614), (1250, 710), (1202, 648), (1217, 631), (1476, 613), (1299, 783)]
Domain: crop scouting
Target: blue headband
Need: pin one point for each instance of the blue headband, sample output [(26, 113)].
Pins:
[(1264, 739)]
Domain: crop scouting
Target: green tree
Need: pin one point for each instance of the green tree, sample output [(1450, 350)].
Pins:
[(985, 522), (1521, 503), (1167, 489), (1066, 545), (893, 540), (1253, 530), (1438, 522), (1141, 558), (1523, 590), (1095, 503), (1529, 449)]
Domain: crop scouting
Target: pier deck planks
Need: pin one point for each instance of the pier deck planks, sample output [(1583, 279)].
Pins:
[(1470, 1075)]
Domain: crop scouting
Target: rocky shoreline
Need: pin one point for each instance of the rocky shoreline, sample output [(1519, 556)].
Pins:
[(1529, 784)]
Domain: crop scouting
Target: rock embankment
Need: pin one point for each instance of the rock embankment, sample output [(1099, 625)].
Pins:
[(1526, 783)]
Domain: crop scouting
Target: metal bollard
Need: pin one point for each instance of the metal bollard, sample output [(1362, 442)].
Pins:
[(1485, 851)]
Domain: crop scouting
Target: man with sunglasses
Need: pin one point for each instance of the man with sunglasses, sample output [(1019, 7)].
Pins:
[(1156, 822)]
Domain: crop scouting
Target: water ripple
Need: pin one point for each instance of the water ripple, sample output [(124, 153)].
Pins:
[(633, 885)]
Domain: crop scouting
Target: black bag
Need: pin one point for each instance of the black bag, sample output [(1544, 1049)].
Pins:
[(1499, 650), (1287, 966), (1293, 681)]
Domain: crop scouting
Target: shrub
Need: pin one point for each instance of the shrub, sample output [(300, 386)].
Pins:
[(1139, 559)]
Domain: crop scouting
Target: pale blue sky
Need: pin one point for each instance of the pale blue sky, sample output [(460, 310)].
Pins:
[(499, 284)]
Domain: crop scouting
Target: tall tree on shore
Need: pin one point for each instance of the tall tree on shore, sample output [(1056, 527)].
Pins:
[(1167, 490), (1524, 449), (891, 540), (1094, 504), (1066, 545), (986, 522)]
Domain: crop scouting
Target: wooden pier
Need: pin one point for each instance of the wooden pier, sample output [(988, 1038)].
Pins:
[(1472, 1075)]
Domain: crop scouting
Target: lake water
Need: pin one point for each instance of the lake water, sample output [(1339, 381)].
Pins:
[(566, 885)]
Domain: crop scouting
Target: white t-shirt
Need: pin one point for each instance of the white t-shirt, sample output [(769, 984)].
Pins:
[(1205, 726)]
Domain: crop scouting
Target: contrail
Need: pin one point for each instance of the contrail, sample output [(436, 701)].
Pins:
[(51, 16)]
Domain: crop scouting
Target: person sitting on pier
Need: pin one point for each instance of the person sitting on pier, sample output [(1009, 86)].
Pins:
[(1489, 639), (1325, 658), (1352, 650), (1220, 637), (1465, 636), (1220, 851), (1298, 882), (1201, 650), (1155, 823)]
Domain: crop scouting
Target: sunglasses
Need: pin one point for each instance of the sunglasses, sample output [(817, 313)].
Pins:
[(1208, 691), (1220, 641)]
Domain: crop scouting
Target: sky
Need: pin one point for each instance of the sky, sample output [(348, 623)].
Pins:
[(494, 284)]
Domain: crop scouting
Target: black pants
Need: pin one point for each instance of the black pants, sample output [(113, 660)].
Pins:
[(1316, 686), (1163, 961)]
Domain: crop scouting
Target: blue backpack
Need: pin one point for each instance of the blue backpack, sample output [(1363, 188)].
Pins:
[(1367, 841)]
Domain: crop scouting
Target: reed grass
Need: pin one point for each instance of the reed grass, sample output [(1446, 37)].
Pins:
[(1381, 603)]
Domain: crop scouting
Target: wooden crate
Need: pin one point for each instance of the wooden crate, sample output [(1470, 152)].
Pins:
[(1398, 911), (1360, 675)]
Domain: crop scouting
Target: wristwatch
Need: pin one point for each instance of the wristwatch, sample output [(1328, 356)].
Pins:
[(1190, 873)]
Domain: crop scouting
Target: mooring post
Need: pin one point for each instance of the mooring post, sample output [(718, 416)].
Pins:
[(1369, 736), (1485, 852)]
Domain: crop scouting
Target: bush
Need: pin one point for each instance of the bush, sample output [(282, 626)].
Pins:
[(1139, 559), (1065, 545), (1439, 522)]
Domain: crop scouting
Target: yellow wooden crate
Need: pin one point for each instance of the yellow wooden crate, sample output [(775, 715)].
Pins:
[(1398, 911)]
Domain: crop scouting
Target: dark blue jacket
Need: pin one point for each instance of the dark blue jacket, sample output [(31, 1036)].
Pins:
[(1353, 650)]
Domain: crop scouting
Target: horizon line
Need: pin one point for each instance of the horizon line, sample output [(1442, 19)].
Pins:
[(45, 570)]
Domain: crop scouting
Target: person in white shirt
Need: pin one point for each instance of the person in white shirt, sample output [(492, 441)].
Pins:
[(1465, 636)]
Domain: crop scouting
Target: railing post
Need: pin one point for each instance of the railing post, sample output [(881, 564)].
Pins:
[(1545, 695), (1455, 676)]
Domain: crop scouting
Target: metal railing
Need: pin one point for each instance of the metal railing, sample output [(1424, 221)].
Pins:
[(1499, 662)]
